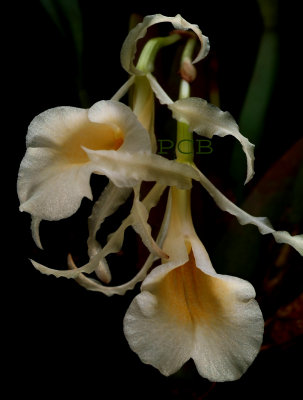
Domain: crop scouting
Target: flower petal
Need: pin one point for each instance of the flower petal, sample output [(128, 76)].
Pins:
[(48, 187), (136, 137), (160, 93), (35, 231), (140, 216), (150, 328), (228, 321), (126, 169), (109, 201), (129, 46), (90, 284), (185, 313), (262, 223), (208, 120), (95, 286), (123, 89)]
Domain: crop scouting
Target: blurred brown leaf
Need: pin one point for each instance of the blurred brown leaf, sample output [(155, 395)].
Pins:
[(286, 325)]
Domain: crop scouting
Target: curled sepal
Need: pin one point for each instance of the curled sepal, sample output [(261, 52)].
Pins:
[(208, 120), (95, 286), (90, 284), (129, 46), (109, 201), (114, 243), (262, 223), (140, 224), (35, 223), (127, 169)]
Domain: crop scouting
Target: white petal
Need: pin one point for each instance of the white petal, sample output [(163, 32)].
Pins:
[(140, 216), (95, 286), (208, 120), (48, 187), (159, 92), (35, 231), (185, 313), (55, 126), (126, 169), (129, 46), (150, 328), (109, 201), (113, 245), (123, 89), (262, 223), (229, 332), (136, 138)]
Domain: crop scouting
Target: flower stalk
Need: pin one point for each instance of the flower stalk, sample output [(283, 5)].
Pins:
[(184, 148)]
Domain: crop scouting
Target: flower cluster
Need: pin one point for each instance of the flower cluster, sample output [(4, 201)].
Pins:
[(185, 309)]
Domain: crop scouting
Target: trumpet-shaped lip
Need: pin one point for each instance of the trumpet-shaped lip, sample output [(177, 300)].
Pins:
[(186, 310)]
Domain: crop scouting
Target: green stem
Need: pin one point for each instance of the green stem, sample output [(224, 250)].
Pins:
[(147, 57), (184, 143)]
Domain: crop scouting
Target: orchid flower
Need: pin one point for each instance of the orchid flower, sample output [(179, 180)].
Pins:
[(186, 310), (67, 144)]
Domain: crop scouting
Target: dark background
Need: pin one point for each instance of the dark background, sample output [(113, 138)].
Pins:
[(64, 340)]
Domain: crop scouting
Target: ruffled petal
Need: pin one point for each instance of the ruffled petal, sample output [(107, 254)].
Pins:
[(109, 201), (55, 171), (227, 320), (129, 46), (149, 326), (184, 312), (208, 120), (135, 136), (114, 243), (127, 169), (262, 223), (140, 224), (48, 187)]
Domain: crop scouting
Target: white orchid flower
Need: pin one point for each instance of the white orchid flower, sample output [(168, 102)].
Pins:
[(144, 87), (186, 310)]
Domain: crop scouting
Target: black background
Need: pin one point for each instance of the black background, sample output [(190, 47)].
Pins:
[(61, 339)]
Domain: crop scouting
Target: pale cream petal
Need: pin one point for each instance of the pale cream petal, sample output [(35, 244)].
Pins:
[(161, 95), (48, 187), (152, 333), (228, 323), (109, 201), (129, 46), (126, 169), (135, 136), (124, 89), (53, 127), (90, 284), (140, 224), (70, 274), (95, 286), (149, 325), (55, 171), (262, 223), (114, 244), (143, 106), (35, 231), (185, 313), (208, 120)]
